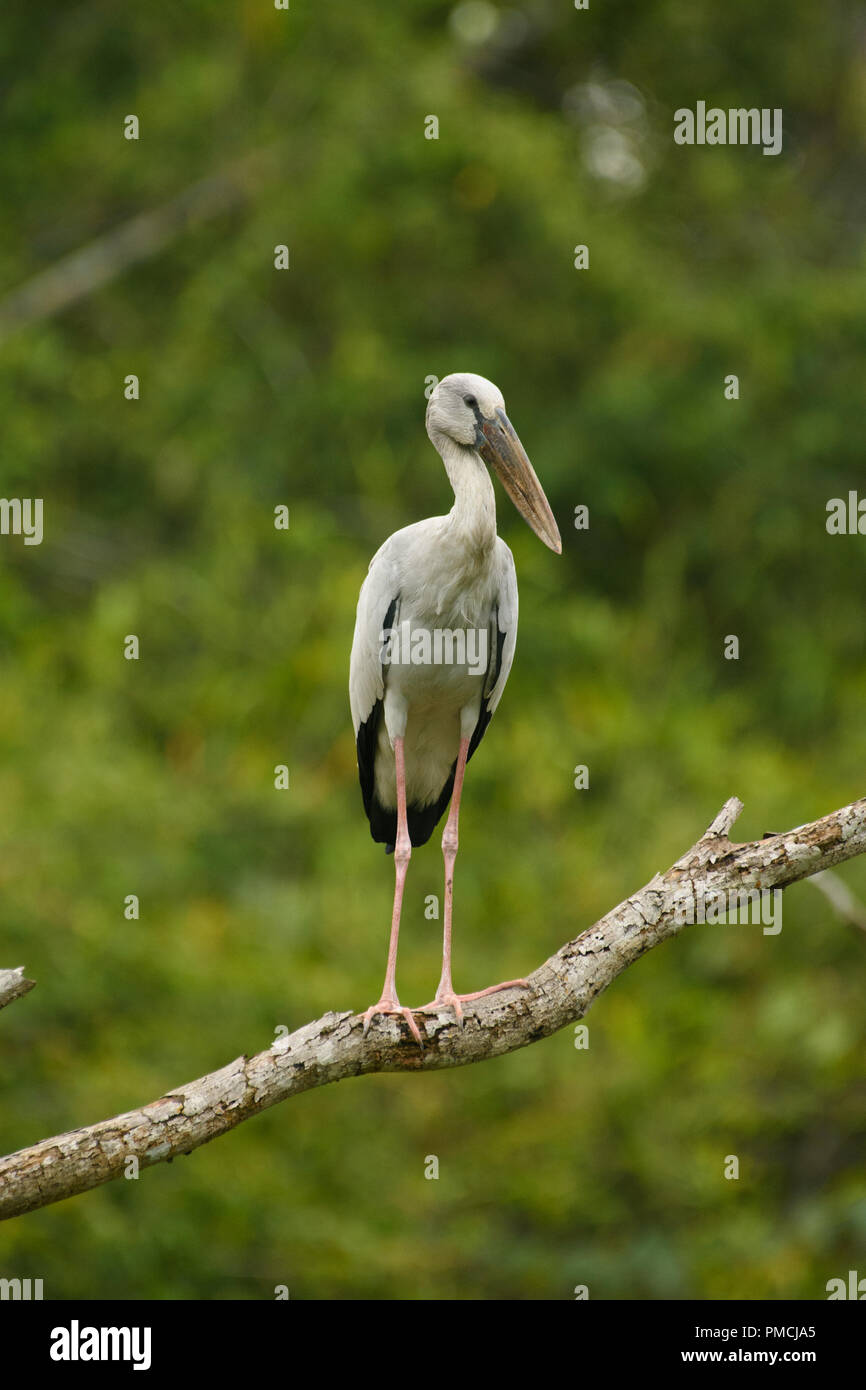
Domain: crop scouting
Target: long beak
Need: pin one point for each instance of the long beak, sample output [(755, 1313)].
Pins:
[(507, 455)]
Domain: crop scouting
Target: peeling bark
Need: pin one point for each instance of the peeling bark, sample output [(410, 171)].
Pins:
[(13, 985), (333, 1047)]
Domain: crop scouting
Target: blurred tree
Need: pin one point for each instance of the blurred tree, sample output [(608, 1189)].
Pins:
[(304, 387)]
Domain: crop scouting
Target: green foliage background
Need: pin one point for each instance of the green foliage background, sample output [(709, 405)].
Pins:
[(411, 258)]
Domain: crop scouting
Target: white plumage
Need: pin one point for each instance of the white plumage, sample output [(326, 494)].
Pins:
[(436, 585), (443, 590)]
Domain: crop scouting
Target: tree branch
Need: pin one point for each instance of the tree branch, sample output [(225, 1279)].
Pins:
[(333, 1047), (82, 272), (844, 903), (13, 985)]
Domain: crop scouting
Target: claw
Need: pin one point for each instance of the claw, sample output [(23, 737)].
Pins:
[(392, 1006), (449, 1000)]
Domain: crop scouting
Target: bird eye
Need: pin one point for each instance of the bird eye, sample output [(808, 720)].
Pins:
[(470, 401)]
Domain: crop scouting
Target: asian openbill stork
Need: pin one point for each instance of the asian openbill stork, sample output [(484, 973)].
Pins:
[(420, 707)]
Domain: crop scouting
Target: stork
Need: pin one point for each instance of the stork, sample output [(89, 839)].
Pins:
[(434, 641)]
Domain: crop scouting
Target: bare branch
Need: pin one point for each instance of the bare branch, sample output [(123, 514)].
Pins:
[(845, 903), (13, 985), (333, 1047), (82, 272)]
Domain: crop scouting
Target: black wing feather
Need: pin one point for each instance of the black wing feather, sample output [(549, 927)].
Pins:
[(383, 823)]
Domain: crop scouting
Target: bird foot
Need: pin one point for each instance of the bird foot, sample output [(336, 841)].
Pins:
[(447, 999), (392, 1006)]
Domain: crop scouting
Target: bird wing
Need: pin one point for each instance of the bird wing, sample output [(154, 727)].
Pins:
[(503, 639), (378, 607)]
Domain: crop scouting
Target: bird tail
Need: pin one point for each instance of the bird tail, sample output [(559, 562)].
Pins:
[(422, 820)]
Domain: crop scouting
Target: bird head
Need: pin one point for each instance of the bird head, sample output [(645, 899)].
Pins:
[(470, 410)]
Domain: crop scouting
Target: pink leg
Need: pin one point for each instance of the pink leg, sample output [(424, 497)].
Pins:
[(389, 1003), (445, 995)]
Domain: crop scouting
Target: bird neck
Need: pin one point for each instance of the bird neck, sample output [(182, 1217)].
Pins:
[(474, 512)]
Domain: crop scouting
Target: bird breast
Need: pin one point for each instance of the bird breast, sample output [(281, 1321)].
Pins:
[(451, 579), (440, 648)]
